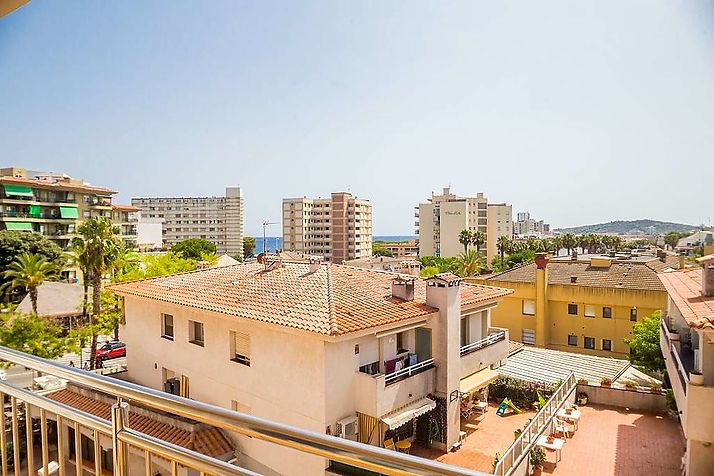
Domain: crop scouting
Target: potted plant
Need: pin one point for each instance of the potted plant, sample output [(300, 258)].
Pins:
[(656, 389), (696, 377), (630, 385), (605, 382), (582, 381), (537, 457), (517, 433), (569, 411), (496, 459)]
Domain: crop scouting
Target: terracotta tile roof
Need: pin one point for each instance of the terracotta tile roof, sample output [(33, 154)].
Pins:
[(685, 290), (333, 300), (671, 262), (617, 275), (125, 208), (59, 185), (204, 439)]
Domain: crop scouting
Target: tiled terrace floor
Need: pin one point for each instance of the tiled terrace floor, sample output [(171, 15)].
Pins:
[(610, 441)]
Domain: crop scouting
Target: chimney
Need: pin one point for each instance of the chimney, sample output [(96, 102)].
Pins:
[(573, 279), (682, 261), (541, 260), (314, 265), (708, 279), (403, 287)]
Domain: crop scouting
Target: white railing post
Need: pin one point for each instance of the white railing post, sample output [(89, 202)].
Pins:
[(120, 418)]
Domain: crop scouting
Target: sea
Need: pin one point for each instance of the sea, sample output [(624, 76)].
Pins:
[(275, 243)]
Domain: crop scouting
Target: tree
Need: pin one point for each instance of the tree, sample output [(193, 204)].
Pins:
[(108, 320), (15, 243), (465, 239), (645, 350), (151, 265), (378, 250), (470, 263), (478, 239), (503, 245), (101, 246), (79, 256), (194, 248), (520, 258), (673, 237), (429, 272), (36, 335), (569, 242), (126, 259), (248, 246), (28, 272)]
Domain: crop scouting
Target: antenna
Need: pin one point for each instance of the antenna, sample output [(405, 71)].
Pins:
[(265, 241)]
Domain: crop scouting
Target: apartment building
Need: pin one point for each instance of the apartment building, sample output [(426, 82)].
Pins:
[(577, 305), (525, 226), (338, 228), (443, 217), (216, 219), (402, 249), (54, 204), (361, 354), (687, 341)]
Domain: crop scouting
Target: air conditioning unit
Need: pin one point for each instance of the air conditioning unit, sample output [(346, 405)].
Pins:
[(347, 428)]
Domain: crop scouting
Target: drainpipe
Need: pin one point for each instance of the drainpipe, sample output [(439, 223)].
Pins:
[(541, 284)]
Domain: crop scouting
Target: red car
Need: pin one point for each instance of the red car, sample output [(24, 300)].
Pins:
[(111, 350)]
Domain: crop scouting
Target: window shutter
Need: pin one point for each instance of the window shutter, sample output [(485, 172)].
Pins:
[(241, 343)]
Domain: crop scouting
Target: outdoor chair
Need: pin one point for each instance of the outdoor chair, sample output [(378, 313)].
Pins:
[(389, 444)]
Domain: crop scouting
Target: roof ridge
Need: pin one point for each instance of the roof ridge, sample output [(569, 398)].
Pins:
[(509, 270), (332, 315)]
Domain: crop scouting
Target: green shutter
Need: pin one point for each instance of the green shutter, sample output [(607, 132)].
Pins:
[(69, 212), (17, 190), (35, 211), (18, 225)]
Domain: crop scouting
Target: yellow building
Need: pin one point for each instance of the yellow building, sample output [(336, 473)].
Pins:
[(580, 306)]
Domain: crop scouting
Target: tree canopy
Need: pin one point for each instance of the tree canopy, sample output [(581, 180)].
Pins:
[(36, 335), (645, 350), (194, 248), (153, 265), (27, 273), (379, 250), (248, 246)]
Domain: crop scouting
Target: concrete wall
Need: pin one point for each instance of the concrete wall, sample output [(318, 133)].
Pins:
[(617, 397), (373, 397), (482, 358)]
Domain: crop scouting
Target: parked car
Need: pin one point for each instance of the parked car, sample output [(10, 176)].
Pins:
[(111, 350)]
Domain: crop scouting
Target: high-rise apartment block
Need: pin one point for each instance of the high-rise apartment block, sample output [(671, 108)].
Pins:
[(53, 205), (443, 217), (216, 219), (527, 226), (338, 228)]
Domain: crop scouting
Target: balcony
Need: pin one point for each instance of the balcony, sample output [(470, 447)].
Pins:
[(111, 445), (379, 394), (484, 352)]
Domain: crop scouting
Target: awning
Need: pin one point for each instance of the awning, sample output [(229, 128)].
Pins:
[(408, 412), (477, 380), (69, 212), (35, 211), (18, 226), (17, 190)]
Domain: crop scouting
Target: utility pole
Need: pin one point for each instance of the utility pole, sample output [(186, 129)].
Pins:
[(265, 241)]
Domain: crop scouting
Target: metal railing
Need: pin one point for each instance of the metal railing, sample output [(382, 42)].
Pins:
[(124, 438), (408, 371), (485, 342), (681, 371), (521, 447)]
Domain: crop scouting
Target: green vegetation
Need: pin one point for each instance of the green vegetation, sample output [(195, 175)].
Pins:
[(248, 247), (470, 264), (195, 248), (153, 265), (378, 249), (15, 243), (28, 272), (433, 265), (645, 351), (521, 393), (37, 335), (673, 237)]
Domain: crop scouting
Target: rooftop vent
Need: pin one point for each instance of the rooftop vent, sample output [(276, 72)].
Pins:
[(573, 279), (314, 264)]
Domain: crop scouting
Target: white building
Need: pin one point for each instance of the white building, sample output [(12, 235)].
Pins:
[(526, 226), (149, 232), (316, 346), (443, 217), (216, 219)]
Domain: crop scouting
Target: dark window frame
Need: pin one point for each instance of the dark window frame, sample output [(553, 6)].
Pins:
[(607, 314), (572, 307), (573, 340), (590, 340)]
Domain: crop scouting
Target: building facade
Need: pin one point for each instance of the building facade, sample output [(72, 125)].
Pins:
[(338, 228), (526, 226), (443, 217), (53, 205), (401, 249), (216, 219), (578, 306), (687, 342), (316, 345)]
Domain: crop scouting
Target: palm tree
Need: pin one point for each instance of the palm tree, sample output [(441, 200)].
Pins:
[(79, 256), (470, 263), (101, 246), (557, 244), (504, 245), (569, 242), (28, 272), (465, 239), (478, 239)]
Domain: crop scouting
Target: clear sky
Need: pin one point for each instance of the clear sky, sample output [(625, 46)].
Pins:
[(579, 112)]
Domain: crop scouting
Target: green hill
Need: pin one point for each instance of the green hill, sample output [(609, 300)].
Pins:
[(623, 227)]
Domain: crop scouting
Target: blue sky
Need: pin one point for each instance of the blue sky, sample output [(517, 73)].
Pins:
[(580, 112)]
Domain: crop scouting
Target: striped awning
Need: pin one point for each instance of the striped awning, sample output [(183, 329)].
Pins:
[(18, 226), (69, 212), (17, 190), (477, 380), (405, 414)]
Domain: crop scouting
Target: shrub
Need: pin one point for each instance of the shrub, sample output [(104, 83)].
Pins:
[(537, 457), (605, 382), (582, 381), (630, 385), (656, 389), (670, 400), (521, 393)]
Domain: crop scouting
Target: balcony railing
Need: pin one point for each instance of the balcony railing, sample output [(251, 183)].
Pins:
[(485, 342), (408, 371), (681, 371), (122, 436)]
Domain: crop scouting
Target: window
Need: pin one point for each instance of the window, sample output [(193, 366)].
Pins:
[(195, 332), (589, 342), (529, 307), (240, 348), (606, 344), (528, 336), (607, 312), (167, 326), (573, 309), (589, 311), (633, 314), (464, 331), (573, 340)]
